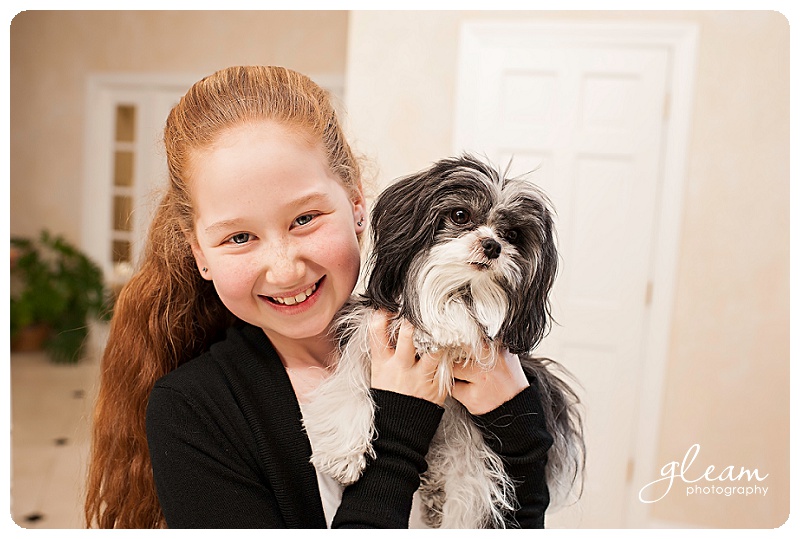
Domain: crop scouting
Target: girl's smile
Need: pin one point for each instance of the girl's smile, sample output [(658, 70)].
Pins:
[(300, 301)]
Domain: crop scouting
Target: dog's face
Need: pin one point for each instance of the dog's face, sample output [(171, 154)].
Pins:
[(459, 244)]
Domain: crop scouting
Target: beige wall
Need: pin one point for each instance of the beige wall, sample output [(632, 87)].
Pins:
[(727, 387), (727, 380), (52, 52)]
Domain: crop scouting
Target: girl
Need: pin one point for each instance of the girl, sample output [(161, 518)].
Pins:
[(223, 332)]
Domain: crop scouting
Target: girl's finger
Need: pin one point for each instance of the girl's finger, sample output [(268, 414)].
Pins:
[(404, 349), (378, 334), (467, 371), (429, 364)]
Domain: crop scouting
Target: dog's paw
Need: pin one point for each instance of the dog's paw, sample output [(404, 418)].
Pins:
[(344, 469), (451, 342), (432, 497)]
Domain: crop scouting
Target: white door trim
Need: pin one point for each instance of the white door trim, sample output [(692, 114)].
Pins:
[(97, 158), (681, 41)]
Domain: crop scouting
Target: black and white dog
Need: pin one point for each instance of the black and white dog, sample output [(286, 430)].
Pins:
[(469, 258)]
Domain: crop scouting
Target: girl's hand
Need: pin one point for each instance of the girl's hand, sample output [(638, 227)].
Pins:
[(481, 390), (397, 368)]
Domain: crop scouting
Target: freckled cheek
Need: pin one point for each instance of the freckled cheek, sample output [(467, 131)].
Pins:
[(236, 280), (342, 255)]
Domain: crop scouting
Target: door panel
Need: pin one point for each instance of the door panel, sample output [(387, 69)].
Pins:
[(588, 120), (124, 174)]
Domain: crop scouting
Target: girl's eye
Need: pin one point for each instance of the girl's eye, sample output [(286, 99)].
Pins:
[(460, 216), (304, 219), (241, 238)]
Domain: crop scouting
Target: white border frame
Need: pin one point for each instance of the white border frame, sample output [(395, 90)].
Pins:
[(680, 39)]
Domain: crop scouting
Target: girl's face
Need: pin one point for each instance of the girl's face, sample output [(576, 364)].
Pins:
[(276, 230)]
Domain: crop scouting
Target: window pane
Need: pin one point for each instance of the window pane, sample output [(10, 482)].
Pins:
[(126, 115), (121, 251), (122, 213), (123, 169)]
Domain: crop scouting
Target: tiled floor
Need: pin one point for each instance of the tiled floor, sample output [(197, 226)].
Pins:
[(50, 412)]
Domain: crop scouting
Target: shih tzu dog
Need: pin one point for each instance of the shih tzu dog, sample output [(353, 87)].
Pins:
[(469, 258)]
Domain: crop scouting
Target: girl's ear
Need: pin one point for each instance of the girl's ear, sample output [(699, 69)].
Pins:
[(200, 260), (360, 213)]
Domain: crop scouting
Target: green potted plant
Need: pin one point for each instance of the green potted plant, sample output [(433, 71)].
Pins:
[(55, 288)]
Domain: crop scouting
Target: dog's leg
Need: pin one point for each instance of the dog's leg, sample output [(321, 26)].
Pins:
[(432, 482), (454, 329), (465, 485), (339, 419)]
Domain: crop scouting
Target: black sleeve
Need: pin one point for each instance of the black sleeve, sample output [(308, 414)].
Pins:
[(202, 479), (516, 432), (382, 497)]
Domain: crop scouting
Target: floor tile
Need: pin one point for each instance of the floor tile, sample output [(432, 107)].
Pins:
[(50, 417)]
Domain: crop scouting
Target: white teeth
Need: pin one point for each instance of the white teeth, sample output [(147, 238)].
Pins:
[(299, 298)]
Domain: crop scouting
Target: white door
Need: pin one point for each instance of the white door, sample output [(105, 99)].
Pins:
[(589, 119), (125, 166)]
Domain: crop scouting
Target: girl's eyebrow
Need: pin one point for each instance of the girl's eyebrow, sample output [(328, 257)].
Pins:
[(224, 225), (310, 198)]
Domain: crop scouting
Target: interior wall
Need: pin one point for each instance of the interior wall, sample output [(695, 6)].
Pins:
[(727, 381), (52, 52)]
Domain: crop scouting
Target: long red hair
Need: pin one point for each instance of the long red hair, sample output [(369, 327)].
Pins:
[(167, 314)]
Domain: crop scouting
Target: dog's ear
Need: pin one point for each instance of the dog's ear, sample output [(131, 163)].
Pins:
[(402, 227), (529, 316)]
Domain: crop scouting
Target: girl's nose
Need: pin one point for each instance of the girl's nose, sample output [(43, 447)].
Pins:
[(283, 266)]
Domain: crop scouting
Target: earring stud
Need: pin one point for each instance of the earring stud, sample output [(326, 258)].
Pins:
[(205, 270)]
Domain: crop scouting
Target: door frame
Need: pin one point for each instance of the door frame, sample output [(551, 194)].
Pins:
[(680, 40), (97, 156)]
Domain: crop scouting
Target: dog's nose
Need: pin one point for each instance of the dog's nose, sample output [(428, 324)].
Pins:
[(491, 248)]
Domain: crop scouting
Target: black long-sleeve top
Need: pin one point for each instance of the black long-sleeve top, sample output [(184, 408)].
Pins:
[(228, 448)]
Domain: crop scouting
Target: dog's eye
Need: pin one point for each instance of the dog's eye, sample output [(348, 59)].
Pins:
[(512, 235), (460, 216)]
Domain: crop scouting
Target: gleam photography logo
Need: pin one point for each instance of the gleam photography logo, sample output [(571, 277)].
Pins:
[(727, 482)]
